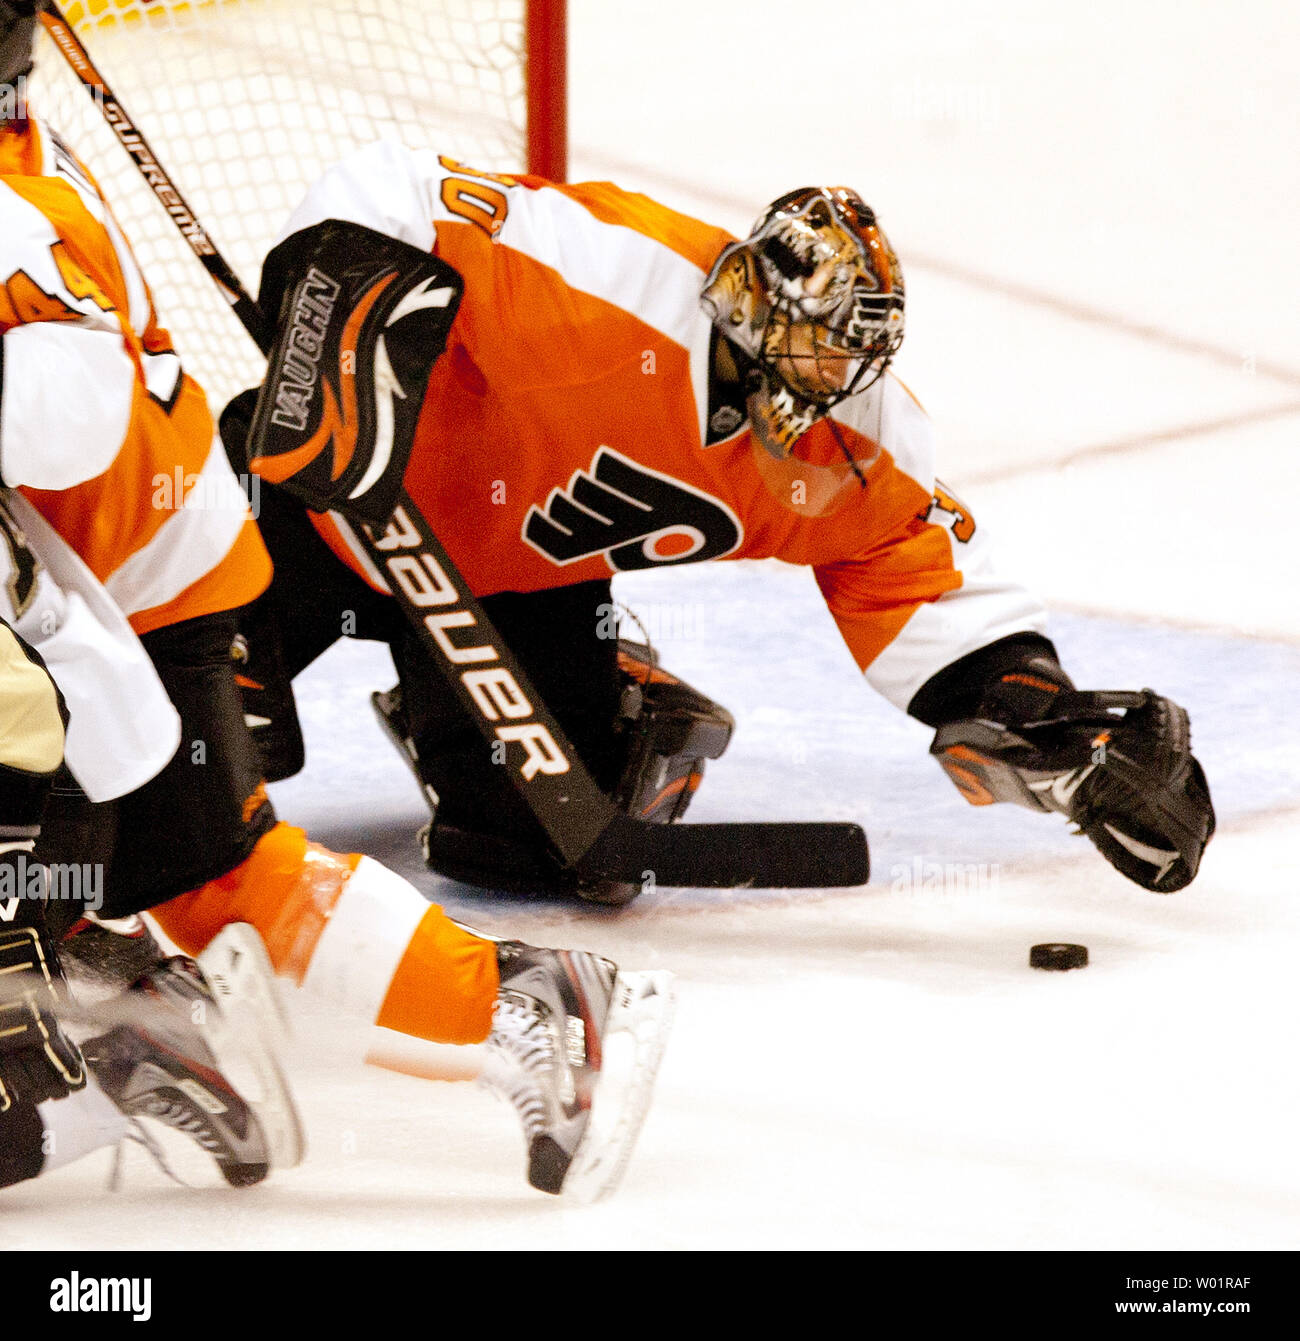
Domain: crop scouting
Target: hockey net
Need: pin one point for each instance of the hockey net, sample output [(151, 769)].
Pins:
[(246, 102)]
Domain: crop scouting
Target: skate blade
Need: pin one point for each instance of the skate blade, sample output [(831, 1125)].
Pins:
[(632, 1046), (253, 1030)]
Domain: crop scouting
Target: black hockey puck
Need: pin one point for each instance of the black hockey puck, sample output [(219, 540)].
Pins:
[(1056, 955)]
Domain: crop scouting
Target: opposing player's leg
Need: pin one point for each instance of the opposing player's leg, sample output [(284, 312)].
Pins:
[(58, 1100), (76, 1065), (164, 1051), (49, 1111)]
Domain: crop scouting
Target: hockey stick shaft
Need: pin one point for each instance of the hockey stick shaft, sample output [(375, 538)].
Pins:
[(169, 195), (583, 825)]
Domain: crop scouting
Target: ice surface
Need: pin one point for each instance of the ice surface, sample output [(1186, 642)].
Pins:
[(1095, 213)]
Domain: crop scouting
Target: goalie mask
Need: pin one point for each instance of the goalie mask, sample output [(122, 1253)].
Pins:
[(814, 297), (17, 35)]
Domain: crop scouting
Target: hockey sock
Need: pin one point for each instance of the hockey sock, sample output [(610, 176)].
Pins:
[(82, 1122), (352, 931)]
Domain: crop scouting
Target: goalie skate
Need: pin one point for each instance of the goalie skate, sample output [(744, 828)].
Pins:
[(576, 1047)]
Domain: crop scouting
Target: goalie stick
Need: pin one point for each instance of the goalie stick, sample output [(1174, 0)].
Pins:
[(588, 832)]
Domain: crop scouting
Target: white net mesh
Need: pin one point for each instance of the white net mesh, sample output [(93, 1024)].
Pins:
[(246, 102)]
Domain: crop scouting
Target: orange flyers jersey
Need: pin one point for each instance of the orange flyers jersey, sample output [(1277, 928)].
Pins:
[(573, 429), (100, 427)]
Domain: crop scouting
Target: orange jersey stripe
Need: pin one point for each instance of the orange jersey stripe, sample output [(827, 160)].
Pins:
[(242, 576), (108, 518)]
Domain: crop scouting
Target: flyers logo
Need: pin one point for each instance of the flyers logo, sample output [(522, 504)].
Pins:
[(299, 373), (634, 516)]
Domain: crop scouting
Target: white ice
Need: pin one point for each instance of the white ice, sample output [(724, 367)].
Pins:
[(1095, 210)]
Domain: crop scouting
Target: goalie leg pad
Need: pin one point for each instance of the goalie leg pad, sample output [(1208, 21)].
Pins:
[(362, 318), (668, 730), (671, 730)]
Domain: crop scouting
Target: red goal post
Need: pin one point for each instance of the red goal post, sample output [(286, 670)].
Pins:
[(546, 79)]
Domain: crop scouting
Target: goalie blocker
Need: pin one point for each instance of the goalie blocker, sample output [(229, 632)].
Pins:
[(362, 319)]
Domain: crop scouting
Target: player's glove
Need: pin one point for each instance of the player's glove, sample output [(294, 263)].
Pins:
[(1118, 764), (360, 319), (37, 1059)]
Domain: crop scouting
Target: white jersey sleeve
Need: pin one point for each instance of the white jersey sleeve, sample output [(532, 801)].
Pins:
[(383, 186), (928, 592), (122, 727)]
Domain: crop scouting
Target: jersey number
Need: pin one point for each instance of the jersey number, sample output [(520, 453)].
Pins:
[(963, 524), (471, 197), (22, 300)]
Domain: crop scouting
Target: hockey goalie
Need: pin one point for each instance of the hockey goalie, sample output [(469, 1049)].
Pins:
[(573, 382)]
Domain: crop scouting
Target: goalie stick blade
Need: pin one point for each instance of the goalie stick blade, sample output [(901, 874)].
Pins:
[(730, 856)]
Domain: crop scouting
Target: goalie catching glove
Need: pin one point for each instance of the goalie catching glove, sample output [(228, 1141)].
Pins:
[(361, 318), (1119, 765)]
